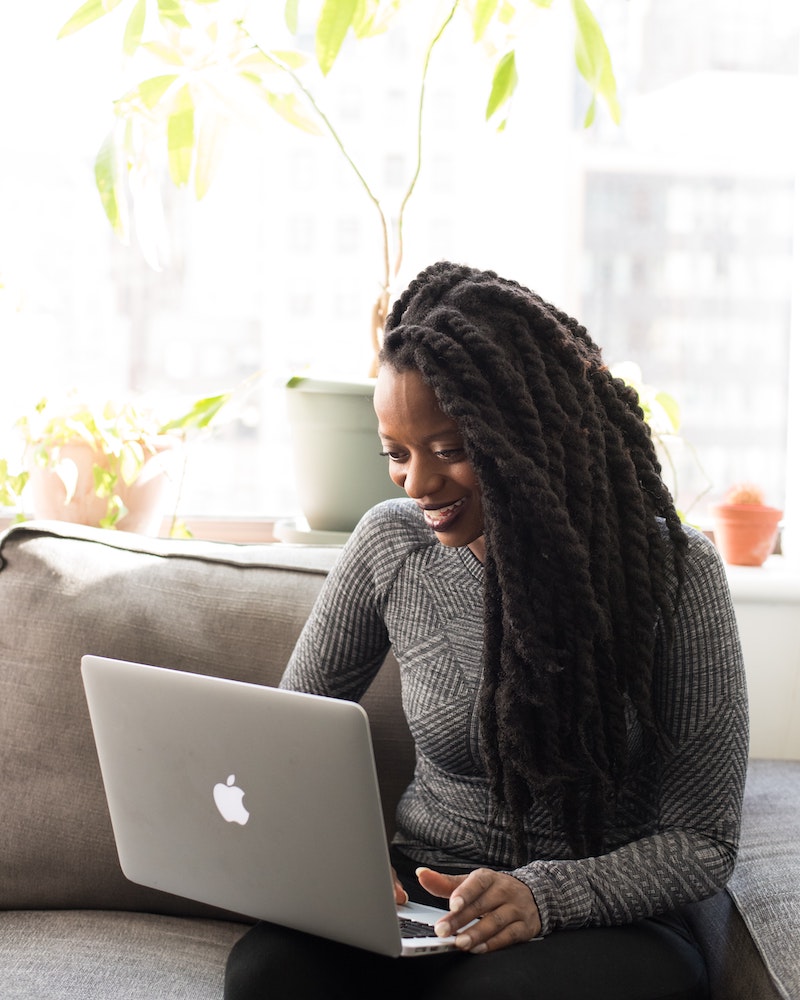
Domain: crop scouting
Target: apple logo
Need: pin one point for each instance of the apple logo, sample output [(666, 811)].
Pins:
[(228, 799)]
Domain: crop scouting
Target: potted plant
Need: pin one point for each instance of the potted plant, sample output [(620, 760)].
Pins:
[(202, 60), (745, 528), (115, 465)]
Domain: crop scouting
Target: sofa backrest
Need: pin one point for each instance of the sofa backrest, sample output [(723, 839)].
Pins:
[(65, 590)]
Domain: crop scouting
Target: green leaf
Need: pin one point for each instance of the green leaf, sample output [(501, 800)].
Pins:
[(149, 92), (671, 408), (109, 182), (11, 485), (507, 10), (503, 84), (262, 62), (482, 17), (594, 60), (291, 57), (373, 17), (134, 28), (199, 416), (334, 22), (588, 118), (152, 90), (166, 53), (92, 10), (132, 458), (290, 13), (290, 109), (171, 12), (81, 426), (180, 529), (180, 137), (104, 481), (116, 509)]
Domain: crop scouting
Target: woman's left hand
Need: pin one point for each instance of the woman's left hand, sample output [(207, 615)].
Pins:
[(506, 908)]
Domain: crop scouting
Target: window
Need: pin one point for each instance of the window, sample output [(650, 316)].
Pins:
[(670, 237), (703, 204)]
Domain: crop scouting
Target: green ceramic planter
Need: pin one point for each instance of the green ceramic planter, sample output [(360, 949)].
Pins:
[(339, 471)]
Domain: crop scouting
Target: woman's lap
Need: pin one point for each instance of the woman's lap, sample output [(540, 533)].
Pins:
[(651, 960)]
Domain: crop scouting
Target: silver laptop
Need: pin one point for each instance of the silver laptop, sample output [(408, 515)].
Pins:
[(260, 801)]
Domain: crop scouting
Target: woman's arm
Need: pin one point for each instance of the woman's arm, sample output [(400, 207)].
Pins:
[(345, 640)]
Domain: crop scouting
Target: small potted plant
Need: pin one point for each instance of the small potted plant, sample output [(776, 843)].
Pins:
[(115, 465), (745, 528)]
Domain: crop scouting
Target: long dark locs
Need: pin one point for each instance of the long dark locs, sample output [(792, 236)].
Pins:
[(576, 562)]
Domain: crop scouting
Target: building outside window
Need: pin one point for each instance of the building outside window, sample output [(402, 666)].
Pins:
[(688, 227)]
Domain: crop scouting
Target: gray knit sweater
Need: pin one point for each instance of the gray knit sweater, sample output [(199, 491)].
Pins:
[(675, 833)]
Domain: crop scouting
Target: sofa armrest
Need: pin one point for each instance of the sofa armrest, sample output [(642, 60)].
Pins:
[(750, 933), (765, 885)]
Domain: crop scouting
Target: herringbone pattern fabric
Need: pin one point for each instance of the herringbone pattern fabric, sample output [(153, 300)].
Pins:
[(674, 836)]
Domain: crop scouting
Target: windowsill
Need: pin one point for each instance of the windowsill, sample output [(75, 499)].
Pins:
[(777, 581), (241, 531)]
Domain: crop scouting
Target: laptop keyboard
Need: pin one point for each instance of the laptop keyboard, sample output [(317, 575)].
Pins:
[(415, 928)]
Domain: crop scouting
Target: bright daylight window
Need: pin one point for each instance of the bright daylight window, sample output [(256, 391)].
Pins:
[(670, 236)]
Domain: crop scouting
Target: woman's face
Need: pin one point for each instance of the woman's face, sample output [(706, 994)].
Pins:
[(427, 459)]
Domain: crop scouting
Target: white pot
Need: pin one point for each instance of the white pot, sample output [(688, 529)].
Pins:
[(339, 471)]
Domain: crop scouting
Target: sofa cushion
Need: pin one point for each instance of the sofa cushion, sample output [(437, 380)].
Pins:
[(85, 955), (230, 610)]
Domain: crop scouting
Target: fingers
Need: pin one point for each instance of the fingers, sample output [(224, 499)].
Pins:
[(504, 908), (438, 884), (400, 894)]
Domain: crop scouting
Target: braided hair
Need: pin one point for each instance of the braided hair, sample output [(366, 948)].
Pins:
[(576, 562)]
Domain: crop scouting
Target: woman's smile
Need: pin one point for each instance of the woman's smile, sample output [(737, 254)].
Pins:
[(441, 518)]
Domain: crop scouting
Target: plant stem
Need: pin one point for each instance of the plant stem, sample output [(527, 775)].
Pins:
[(420, 108), (708, 485), (385, 229), (381, 306)]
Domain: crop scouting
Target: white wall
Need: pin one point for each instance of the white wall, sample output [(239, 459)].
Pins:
[(767, 603)]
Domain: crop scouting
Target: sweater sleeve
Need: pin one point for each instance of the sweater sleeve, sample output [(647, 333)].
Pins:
[(345, 640), (702, 705)]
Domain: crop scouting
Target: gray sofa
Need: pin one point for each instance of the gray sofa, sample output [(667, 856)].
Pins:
[(70, 923)]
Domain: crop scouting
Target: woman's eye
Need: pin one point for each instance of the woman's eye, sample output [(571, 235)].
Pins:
[(445, 454)]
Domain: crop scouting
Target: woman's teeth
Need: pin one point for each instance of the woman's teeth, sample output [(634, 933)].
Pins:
[(438, 517)]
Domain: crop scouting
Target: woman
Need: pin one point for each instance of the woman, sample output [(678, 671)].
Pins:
[(570, 666)]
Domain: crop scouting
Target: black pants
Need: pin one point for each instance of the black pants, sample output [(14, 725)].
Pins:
[(651, 960)]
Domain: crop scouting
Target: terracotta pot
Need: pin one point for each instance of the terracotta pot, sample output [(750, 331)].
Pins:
[(145, 499), (745, 533)]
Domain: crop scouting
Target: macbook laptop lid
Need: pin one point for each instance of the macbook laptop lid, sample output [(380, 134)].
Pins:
[(257, 800)]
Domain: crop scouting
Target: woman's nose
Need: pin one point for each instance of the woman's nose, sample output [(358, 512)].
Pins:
[(421, 478)]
